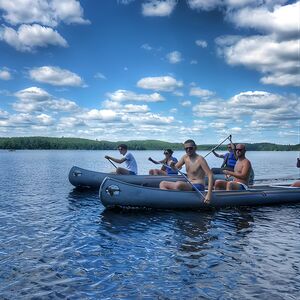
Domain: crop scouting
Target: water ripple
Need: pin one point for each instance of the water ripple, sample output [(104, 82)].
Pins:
[(59, 242)]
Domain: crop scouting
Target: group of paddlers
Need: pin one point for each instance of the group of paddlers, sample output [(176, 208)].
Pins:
[(235, 165)]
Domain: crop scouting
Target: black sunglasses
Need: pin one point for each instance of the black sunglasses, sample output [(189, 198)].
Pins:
[(239, 149), (188, 148), (165, 153)]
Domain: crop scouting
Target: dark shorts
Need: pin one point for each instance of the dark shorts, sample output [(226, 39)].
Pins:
[(199, 187), (172, 173), (242, 186), (131, 173)]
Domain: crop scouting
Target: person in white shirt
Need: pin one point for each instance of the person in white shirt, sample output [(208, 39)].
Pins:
[(128, 158)]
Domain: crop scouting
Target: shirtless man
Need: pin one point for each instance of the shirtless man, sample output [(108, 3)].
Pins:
[(241, 173), (196, 168)]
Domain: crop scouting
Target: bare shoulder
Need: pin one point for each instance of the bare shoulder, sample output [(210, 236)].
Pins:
[(200, 158), (247, 161), (184, 157)]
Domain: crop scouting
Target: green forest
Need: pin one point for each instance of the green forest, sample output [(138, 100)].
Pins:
[(32, 143)]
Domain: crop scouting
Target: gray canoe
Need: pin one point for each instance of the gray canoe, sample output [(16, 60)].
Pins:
[(91, 179), (116, 193), (83, 178)]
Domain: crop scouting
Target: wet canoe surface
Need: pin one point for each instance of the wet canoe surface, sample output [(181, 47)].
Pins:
[(115, 193)]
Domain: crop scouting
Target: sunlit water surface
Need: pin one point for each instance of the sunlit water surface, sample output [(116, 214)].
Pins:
[(57, 242)]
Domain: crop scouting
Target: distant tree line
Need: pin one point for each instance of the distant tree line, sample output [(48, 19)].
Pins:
[(31, 143)]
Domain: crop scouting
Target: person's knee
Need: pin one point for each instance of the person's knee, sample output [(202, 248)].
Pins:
[(120, 171), (229, 186), (162, 185), (296, 184), (219, 184), (178, 185), (181, 185)]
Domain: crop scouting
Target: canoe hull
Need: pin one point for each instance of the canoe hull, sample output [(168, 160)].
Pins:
[(83, 178), (116, 193)]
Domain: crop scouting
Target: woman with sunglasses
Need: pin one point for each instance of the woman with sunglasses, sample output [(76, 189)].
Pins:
[(166, 169)]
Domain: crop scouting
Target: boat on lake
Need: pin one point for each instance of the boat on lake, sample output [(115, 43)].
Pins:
[(83, 178), (116, 193)]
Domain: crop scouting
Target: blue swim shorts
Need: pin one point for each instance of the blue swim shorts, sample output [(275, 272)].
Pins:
[(199, 186)]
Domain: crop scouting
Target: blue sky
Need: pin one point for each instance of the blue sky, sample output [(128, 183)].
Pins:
[(167, 70)]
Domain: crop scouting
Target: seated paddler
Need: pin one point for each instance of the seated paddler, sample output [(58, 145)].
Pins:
[(229, 159), (241, 174), (196, 169), (166, 162), (128, 158)]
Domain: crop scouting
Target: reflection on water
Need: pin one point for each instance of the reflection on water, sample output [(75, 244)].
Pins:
[(60, 242)]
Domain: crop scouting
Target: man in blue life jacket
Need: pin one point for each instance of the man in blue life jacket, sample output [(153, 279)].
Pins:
[(229, 159)]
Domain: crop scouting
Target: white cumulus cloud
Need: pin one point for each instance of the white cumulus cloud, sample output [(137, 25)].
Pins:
[(174, 57), (202, 93), (55, 76), (158, 8), (131, 108), (106, 115), (48, 13), (124, 95), (282, 20), (162, 83), (5, 74), (275, 59), (201, 43), (148, 118), (45, 119), (28, 37), (35, 99), (186, 103), (256, 100), (33, 94)]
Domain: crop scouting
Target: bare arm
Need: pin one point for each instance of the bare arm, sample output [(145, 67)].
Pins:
[(154, 161), (209, 174), (119, 161), (179, 164), (244, 174), (217, 155)]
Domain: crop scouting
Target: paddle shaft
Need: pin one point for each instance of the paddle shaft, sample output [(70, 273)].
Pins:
[(181, 173), (112, 163), (213, 149)]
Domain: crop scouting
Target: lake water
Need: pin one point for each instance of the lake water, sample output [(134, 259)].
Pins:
[(57, 242)]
